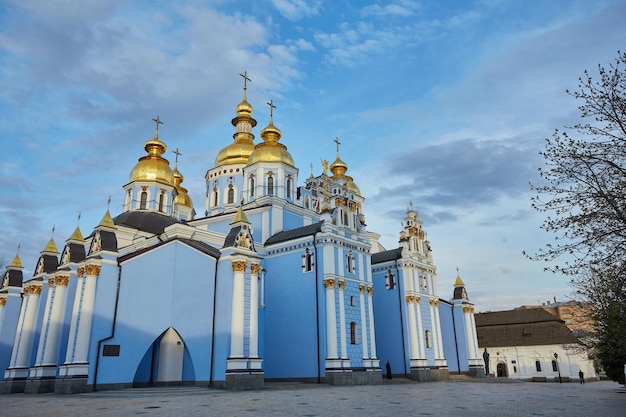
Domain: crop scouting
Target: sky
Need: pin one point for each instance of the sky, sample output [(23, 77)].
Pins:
[(442, 105)]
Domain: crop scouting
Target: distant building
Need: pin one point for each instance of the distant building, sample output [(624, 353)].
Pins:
[(576, 316), (530, 344), (276, 281)]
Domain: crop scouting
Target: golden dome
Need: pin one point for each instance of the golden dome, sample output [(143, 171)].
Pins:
[(352, 186), (270, 150), (239, 151), (182, 198), (153, 167), (339, 168)]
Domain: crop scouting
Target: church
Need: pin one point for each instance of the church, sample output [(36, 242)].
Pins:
[(280, 280)]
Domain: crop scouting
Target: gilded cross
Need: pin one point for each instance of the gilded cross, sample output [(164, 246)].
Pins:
[(177, 155), (337, 143), (245, 79), (158, 122), (272, 107)]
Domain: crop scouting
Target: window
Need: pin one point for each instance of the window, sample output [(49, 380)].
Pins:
[(215, 197), (231, 194), (554, 368), (351, 264), (143, 202), (538, 366), (389, 280), (251, 185), (352, 301), (127, 202), (270, 184), (353, 333), (307, 261), (161, 200), (423, 281), (429, 342), (307, 202), (289, 186)]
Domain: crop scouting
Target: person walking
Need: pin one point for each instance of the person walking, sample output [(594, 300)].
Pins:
[(581, 375), (388, 366)]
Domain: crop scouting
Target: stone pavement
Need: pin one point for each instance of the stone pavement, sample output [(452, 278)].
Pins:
[(393, 398)]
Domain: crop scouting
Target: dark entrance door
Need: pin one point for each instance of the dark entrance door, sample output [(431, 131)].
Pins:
[(501, 370)]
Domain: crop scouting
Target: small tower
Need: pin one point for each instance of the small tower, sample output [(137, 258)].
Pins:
[(10, 304), (104, 238), (74, 251), (465, 329), (151, 186)]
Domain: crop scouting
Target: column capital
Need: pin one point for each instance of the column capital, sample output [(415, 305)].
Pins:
[(51, 282), (468, 309), (62, 280), (361, 288), (92, 270), (410, 299), (418, 299), (80, 271), (370, 290), (434, 302), (3, 302), (239, 266), (33, 290), (255, 268), (342, 284), (329, 283)]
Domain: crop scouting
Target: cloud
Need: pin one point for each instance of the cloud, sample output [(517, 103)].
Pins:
[(297, 9), (400, 8)]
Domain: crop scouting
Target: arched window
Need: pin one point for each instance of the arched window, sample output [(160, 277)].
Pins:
[(307, 202), (554, 368), (127, 202), (251, 185), (353, 333), (289, 187), (351, 263), (215, 197), (389, 280), (270, 184), (161, 200), (429, 342), (143, 200), (538, 366), (231, 194), (307, 261)]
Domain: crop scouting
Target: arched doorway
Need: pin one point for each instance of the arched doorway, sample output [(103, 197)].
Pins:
[(501, 370), (166, 361)]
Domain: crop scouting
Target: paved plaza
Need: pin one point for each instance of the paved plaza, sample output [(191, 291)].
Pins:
[(395, 398)]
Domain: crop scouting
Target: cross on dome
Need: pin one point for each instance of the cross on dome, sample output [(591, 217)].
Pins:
[(158, 122), (272, 107), (245, 79)]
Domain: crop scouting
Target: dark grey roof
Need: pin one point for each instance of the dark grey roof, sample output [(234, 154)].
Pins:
[(200, 246), (533, 327), (15, 277), (292, 234), (388, 255), (147, 221)]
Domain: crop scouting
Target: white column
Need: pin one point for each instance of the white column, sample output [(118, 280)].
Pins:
[(25, 342), (41, 346), (71, 339), (331, 319), (412, 327), (237, 310), (342, 321), (370, 291), (83, 335), (469, 331), (420, 329), (51, 349), (3, 302), (364, 327), (439, 342), (254, 310)]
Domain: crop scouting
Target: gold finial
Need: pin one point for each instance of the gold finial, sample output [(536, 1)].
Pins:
[(53, 229), (156, 132), (272, 107), (245, 80), (78, 220), (337, 143), (177, 155)]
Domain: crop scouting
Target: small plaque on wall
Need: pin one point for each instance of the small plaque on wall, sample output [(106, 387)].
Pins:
[(111, 350)]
